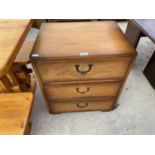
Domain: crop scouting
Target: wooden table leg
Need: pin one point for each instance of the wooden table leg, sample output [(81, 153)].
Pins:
[(149, 70), (23, 75), (133, 34), (7, 84), (14, 80)]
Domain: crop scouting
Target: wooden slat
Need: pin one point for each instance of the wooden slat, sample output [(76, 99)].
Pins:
[(24, 53), (3, 89), (7, 83)]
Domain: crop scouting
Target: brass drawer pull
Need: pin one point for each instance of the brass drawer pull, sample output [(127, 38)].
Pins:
[(82, 105), (83, 72), (83, 92)]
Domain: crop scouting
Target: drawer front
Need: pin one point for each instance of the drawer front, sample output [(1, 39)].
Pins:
[(73, 106), (82, 90), (88, 70)]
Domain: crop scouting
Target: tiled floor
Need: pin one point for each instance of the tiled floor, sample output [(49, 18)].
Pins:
[(135, 115)]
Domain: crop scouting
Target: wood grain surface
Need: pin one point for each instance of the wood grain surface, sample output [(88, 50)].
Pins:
[(78, 105), (12, 35), (58, 40), (109, 68), (15, 111), (82, 89), (24, 53), (78, 63)]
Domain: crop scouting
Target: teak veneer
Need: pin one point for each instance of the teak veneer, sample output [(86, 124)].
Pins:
[(13, 33), (15, 110), (82, 66)]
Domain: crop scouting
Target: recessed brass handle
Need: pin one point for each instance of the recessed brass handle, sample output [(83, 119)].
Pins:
[(82, 105), (83, 72), (83, 92)]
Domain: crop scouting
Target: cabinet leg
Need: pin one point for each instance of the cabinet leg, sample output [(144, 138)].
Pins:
[(28, 129), (54, 113), (113, 108)]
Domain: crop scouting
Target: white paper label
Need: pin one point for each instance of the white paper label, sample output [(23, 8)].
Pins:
[(84, 53), (35, 55)]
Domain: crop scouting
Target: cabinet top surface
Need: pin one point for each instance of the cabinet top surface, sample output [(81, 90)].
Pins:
[(12, 33), (72, 39), (14, 112)]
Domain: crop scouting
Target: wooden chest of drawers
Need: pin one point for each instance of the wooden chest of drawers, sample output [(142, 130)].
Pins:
[(82, 66)]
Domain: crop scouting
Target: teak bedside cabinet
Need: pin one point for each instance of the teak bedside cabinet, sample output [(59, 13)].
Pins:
[(82, 66)]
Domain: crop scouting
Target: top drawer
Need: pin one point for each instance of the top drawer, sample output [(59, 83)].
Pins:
[(108, 68)]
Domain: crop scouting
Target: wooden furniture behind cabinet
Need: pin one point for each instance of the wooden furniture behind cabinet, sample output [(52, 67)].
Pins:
[(15, 77), (15, 110), (12, 51), (22, 69), (136, 29), (82, 66)]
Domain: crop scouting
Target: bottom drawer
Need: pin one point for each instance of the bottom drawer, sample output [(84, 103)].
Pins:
[(74, 106)]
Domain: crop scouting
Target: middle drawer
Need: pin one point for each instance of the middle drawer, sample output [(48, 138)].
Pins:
[(82, 89)]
